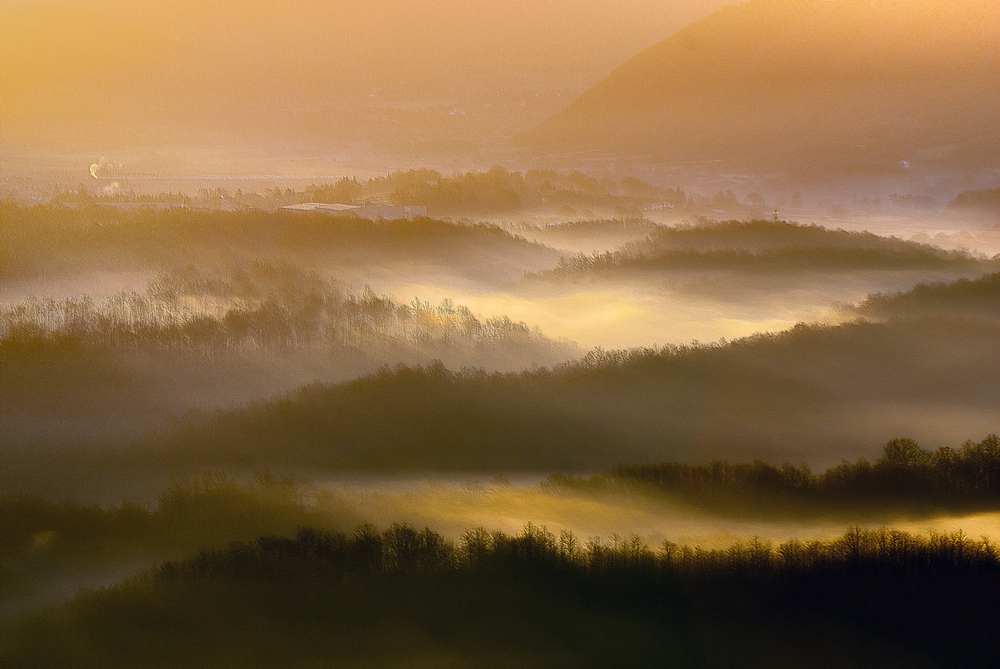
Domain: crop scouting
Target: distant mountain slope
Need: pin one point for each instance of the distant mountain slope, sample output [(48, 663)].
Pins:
[(861, 82), (186, 70)]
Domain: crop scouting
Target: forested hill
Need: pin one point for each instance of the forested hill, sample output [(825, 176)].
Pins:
[(857, 82), (814, 394), (762, 235), (40, 240), (403, 597), (976, 298), (767, 247)]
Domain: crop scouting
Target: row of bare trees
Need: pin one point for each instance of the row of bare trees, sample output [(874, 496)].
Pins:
[(210, 313), (402, 549)]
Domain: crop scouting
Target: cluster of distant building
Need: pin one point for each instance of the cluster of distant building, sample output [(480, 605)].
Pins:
[(388, 212)]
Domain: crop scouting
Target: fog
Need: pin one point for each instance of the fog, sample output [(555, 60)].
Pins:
[(213, 309), (451, 507), (199, 85), (701, 272), (201, 340)]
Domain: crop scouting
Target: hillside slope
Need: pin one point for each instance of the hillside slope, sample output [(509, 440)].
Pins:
[(147, 72), (814, 393), (856, 82)]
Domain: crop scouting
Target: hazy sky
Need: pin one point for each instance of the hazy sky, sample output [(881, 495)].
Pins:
[(99, 67)]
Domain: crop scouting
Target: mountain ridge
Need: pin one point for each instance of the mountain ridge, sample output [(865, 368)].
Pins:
[(788, 80)]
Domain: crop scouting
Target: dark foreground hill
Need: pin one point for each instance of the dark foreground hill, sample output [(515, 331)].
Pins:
[(403, 597), (855, 82)]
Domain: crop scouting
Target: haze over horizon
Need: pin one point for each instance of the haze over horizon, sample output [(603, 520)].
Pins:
[(175, 73), (593, 292), (852, 97)]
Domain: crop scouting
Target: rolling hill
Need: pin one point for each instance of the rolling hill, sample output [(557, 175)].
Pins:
[(813, 393)]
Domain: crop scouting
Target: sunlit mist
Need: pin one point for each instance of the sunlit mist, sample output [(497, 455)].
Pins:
[(508, 333)]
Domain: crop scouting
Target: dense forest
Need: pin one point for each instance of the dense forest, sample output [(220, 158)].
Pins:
[(796, 395), (979, 298), (684, 350), (403, 595), (246, 342), (767, 393), (48, 545), (46, 241), (255, 308)]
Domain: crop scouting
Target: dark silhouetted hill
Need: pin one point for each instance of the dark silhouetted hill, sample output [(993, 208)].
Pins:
[(405, 597)]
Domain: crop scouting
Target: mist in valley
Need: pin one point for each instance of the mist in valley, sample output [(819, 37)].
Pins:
[(142, 349), (420, 305)]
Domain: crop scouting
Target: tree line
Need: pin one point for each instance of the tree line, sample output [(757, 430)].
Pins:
[(42, 240), (537, 599), (973, 297), (613, 405), (765, 246), (268, 306), (401, 549), (905, 476), (496, 190)]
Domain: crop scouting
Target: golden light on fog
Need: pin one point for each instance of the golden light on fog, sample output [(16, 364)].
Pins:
[(452, 332)]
